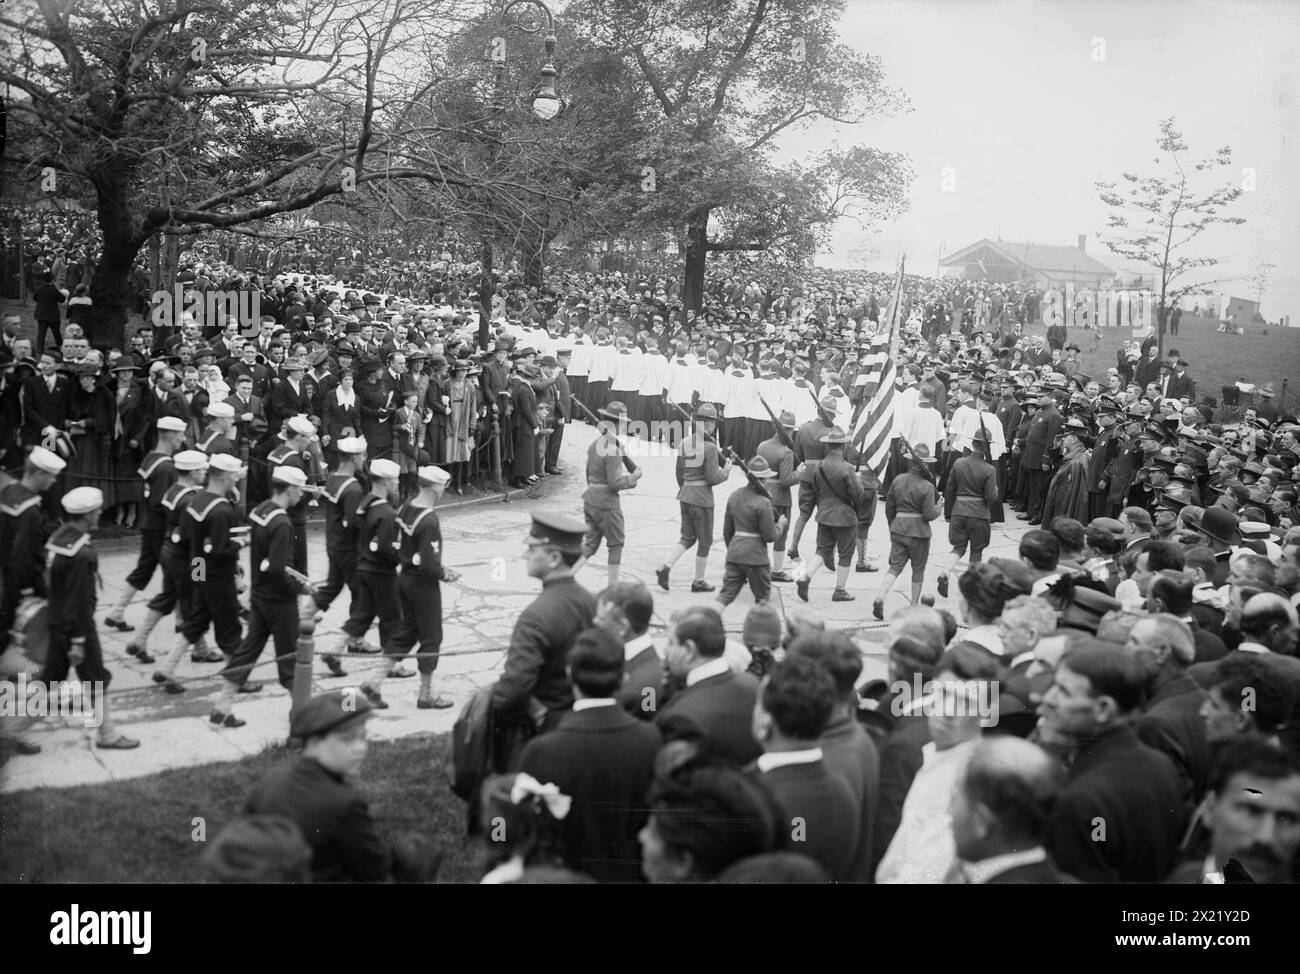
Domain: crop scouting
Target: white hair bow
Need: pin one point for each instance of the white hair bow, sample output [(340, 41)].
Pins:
[(526, 786)]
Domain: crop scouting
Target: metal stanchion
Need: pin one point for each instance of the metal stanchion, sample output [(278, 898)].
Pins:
[(303, 661)]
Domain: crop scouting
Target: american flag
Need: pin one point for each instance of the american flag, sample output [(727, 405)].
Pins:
[(873, 429)]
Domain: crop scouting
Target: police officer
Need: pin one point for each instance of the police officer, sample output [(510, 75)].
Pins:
[(419, 589), (971, 488), (749, 525), (297, 434), (343, 494), (606, 479), (1035, 462), (158, 474), (378, 555), (177, 592), (837, 492), (780, 460), (24, 529), (74, 582), (909, 508), (273, 602), (700, 468), (214, 560)]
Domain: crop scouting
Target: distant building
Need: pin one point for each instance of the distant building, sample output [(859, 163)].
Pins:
[(1043, 265)]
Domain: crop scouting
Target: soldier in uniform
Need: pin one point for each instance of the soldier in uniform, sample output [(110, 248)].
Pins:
[(606, 478), (214, 558), (534, 692), (809, 449), (158, 473), (343, 494), (177, 592), (74, 582), (297, 435), (837, 490), (378, 555), (749, 526), (23, 532), (220, 435), (780, 459), (273, 602), (971, 490), (419, 589), (909, 509), (700, 468)]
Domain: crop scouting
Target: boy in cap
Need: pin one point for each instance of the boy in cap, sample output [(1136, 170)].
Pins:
[(273, 601), (74, 581), (749, 526), (419, 591), (158, 474)]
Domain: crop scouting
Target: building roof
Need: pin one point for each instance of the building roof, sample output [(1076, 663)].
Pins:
[(1038, 257)]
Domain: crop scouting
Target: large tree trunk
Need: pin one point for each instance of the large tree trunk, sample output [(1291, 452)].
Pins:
[(697, 253), (485, 290), (534, 260)]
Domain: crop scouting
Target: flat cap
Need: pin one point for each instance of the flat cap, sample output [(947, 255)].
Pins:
[(328, 712)]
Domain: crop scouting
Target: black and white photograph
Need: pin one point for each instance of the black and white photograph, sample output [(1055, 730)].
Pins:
[(729, 442)]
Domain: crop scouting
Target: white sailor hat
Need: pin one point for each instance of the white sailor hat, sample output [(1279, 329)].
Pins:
[(172, 424), (225, 463), (385, 469), (351, 444), (433, 475), (289, 475), (221, 410), (190, 460), (83, 500), (47, 460), (301, 425)]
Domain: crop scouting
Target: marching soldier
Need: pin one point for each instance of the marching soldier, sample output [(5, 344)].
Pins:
[(174, 558), (23, 533), (297, 435), (158, 473), (700, 468), (378, 555), (971, 489), (748, 528), (419, 590), (909, 508), (606, 479), (273, 601), (214, 562), (809, 449), (343, 494), (74, 583), (780, 459), (837, 491)]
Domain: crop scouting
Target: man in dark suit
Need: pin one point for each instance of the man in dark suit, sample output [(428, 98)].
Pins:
[(714, 703), (553, 368), (47, 298), (1178, 384), (1148, 369), (1171, 717), (1034, 461), (395, 378), (249, 366), (624, 609), (1119, 789), (250, 417), (1000, 812), (821, 813), (44, 400), (289, 396), (602, 758)]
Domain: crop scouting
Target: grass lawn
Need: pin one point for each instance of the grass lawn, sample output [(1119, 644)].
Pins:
[(139, 831), (1214, 360)]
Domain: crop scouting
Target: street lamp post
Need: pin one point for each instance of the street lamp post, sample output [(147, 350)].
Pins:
[(546, 98)]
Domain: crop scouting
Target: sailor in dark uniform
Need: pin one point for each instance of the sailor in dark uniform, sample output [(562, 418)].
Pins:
[(24, 529), (273, 602), (74, 585), (419, 589), (220, 435), (297, 435), (343, 494), (749, 527), (158, 474)]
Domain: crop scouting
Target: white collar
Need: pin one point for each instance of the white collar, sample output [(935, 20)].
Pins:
[(589, 703), (772, 760), (714, 667), (634, 646), (1210, 872), (1249, 646), (986, 869)]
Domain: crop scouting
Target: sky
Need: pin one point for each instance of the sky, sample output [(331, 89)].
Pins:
[(1012, 98)]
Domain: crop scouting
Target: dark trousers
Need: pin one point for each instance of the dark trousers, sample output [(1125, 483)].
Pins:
[(1035, 489), (151, 542), (215, 602), (376, 595), (90, 670), (42, 326), (9, 601), (267, 619), (299, 522), (553, 447), (735, 576), (1097, 504), (420, 599), (177, 591), (343, 571)]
